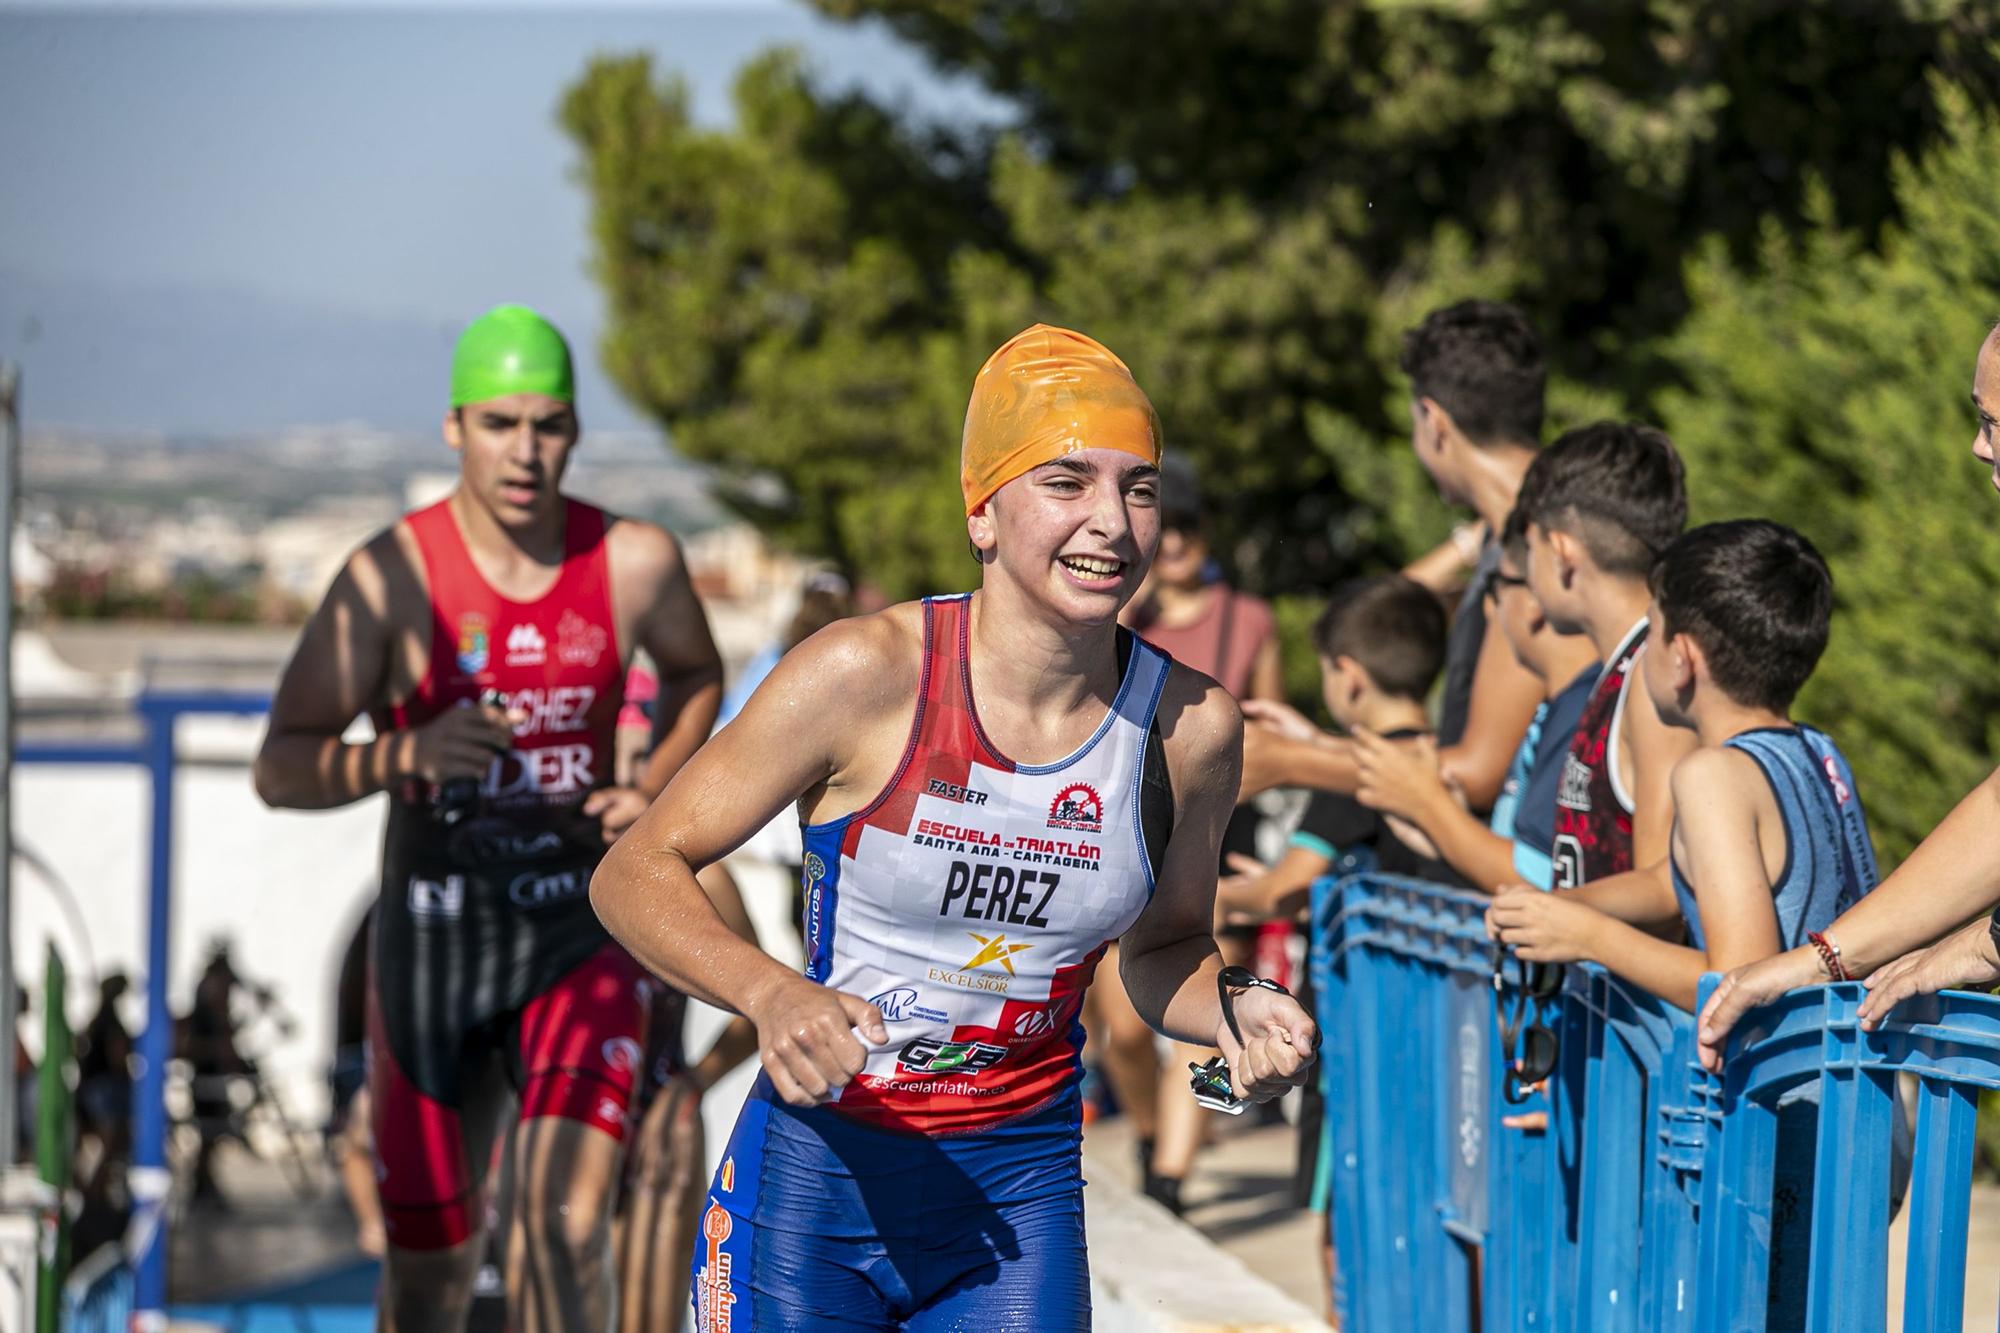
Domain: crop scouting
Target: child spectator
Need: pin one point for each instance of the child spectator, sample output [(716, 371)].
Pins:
[(1405, 781), (1381, 645), (1600, 505), (1769, 842)]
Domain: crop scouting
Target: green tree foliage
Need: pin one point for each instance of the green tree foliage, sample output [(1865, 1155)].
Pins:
[(1763, 221), (1829, 392), (1248, 201)]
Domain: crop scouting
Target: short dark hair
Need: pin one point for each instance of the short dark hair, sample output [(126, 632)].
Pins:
[(1616, 486), (1757, 597), (1481, 362), (1393, 626)]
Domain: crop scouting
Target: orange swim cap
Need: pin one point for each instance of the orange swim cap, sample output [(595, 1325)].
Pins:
[(1049, 392)]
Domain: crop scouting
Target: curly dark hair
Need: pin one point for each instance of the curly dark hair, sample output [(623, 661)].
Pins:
[(1481, 362)]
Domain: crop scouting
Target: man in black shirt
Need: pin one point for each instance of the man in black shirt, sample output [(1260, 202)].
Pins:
[(1476, 383)]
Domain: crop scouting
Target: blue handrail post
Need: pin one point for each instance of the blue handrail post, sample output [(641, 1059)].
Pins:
[(1442, 1300), (1736, 1217), (1329, 991), (1670, 1231), (1848, 1279), (1606, 1295), (1566, 1094), (150, 1178), (1933, 1281), (1385, 1288)]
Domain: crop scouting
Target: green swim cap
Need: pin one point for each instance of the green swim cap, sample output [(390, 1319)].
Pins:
[(510, 349)]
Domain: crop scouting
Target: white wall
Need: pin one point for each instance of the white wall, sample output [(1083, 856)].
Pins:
[(286, 887)]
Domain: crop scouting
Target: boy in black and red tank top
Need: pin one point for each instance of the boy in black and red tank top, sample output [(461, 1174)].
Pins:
[(487, 637), (1600, 504)]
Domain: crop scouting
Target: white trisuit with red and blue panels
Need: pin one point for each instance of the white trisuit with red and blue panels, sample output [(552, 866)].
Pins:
[(970, 901)]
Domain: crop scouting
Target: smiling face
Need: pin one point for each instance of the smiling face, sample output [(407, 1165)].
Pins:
[(1074, 535), (1986, 401), (512, 454)]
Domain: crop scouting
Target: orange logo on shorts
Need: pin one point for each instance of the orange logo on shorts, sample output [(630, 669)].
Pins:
[(713, 1292)]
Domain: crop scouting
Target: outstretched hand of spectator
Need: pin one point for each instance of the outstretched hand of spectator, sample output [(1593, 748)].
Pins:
[(1963, 960), (1545, 927), (1529, 1122), (1282, 718), (1743, 989), (1492, 926), (1240, 898), (1398, 777)]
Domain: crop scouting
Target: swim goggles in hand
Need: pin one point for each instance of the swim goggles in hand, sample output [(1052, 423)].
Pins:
[(1212, 1084)]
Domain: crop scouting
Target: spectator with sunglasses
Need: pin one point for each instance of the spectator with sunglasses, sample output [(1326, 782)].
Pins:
[(1596, 508), (1517, 844)]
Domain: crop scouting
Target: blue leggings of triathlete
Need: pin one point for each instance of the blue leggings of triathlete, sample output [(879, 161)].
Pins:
[(816, 1221)]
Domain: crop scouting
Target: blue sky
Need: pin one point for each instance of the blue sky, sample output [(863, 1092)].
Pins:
[(234, 217)]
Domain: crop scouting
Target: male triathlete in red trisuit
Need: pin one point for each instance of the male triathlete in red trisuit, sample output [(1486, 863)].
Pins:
[(488, 637)]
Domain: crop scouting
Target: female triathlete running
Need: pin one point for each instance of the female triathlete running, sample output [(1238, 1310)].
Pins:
[(994, 786)]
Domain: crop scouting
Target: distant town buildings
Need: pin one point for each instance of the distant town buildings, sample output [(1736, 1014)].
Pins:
[(252, 531), (118, 527)]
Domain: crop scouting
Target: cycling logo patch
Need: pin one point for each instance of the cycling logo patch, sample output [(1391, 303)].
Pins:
[(1077, 807)]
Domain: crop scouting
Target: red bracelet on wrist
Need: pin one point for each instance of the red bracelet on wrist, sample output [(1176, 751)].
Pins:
[(1829, 955)]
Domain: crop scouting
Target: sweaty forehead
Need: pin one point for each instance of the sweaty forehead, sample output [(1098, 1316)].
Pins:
[(1098, 462), (535, 405)]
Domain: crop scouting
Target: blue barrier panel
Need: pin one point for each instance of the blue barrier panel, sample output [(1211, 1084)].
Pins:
[(1406, 1005), (149, 1180), (1810, 1042), (1648, 1204), (1443, 1215)]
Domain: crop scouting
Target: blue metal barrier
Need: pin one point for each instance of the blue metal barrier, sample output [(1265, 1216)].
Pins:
[(1647, 1204), (149, 1180)]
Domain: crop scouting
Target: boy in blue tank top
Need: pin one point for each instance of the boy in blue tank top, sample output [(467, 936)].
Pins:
[(1769, 842)]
